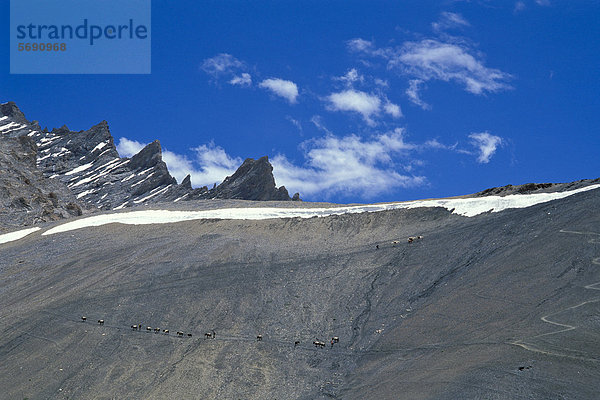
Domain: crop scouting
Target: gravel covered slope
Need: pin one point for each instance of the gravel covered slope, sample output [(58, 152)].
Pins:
[(456, 314)]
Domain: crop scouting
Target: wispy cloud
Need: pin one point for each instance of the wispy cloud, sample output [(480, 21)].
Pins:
[(350, 164), (280, 87), (381, 83), (352, 100), (432, 59), (242, 80), (350, 77), (486, 145), (543, 3), (214, 165), (436, 144), (210, 165), (413, 93), (332, 165), (392, 109), (360, 45), (519, 6), (221, 65), (294, 122), (366, 104), (449, 20), (318, 123)]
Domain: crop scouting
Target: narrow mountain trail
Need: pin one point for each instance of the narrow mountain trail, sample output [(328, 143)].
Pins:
[(565, 327)]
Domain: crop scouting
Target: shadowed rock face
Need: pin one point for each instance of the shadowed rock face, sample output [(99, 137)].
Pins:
[(26, 196), (530, 188), (252, 181), (498, 306), (88, 163)]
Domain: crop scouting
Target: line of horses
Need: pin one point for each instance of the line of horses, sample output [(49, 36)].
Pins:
[(210, 335), (410, 239)]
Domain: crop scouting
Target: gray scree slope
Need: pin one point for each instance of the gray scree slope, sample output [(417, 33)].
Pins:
[(499, 306)]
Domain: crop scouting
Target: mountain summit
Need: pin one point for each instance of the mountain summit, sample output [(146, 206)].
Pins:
[(88, 163)]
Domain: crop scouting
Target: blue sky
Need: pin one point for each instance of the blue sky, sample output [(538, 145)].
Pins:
[(353, 101)]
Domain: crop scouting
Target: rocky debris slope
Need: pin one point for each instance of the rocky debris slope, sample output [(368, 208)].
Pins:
[(88, 163), (530, 188), (26, 196), (478, 308)]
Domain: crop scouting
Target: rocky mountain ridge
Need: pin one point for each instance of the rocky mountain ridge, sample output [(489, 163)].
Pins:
[(530, 188), (88, 164), (26, 196)]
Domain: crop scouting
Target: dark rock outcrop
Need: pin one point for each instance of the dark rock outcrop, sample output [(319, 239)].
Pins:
[(529, 188), (26, 195), (88, 163), (252, 181)]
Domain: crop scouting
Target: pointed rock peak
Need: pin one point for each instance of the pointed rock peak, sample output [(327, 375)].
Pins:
[(103, 125), (148, 157), (100, 132), (187, 182), (253, 180), (63, 130), (262, 164), (11, 110)]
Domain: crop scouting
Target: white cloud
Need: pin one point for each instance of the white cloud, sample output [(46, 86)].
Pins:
[(486, 145), (179, 165), (381, 82), (334, 165), (242, 80), (214, 165), (413, 93), (294, 122), (210, 165), (392, 109), (286, 89), (431, 59), (350, 77), (350, 164), (129, 148), (221, 64), (360, 45), (356, 101), (435, 144), (449, 20), (543, 3), (317, 122), (367, 105)]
